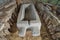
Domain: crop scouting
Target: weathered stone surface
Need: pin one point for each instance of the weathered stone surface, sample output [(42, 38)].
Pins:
[(6, 3), (5, 17), (5, 14), (51, 20)]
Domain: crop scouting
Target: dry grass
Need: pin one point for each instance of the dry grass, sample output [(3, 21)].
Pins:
[(14, 36)]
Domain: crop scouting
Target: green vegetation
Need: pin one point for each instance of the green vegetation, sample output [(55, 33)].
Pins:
[(56, 2)]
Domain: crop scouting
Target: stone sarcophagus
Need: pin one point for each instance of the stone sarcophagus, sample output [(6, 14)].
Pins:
[(28, 18)]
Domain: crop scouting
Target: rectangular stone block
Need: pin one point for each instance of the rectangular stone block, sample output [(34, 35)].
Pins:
[(28, 18)]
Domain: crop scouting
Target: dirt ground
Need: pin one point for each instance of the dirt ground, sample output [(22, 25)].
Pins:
[(27, 37)]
